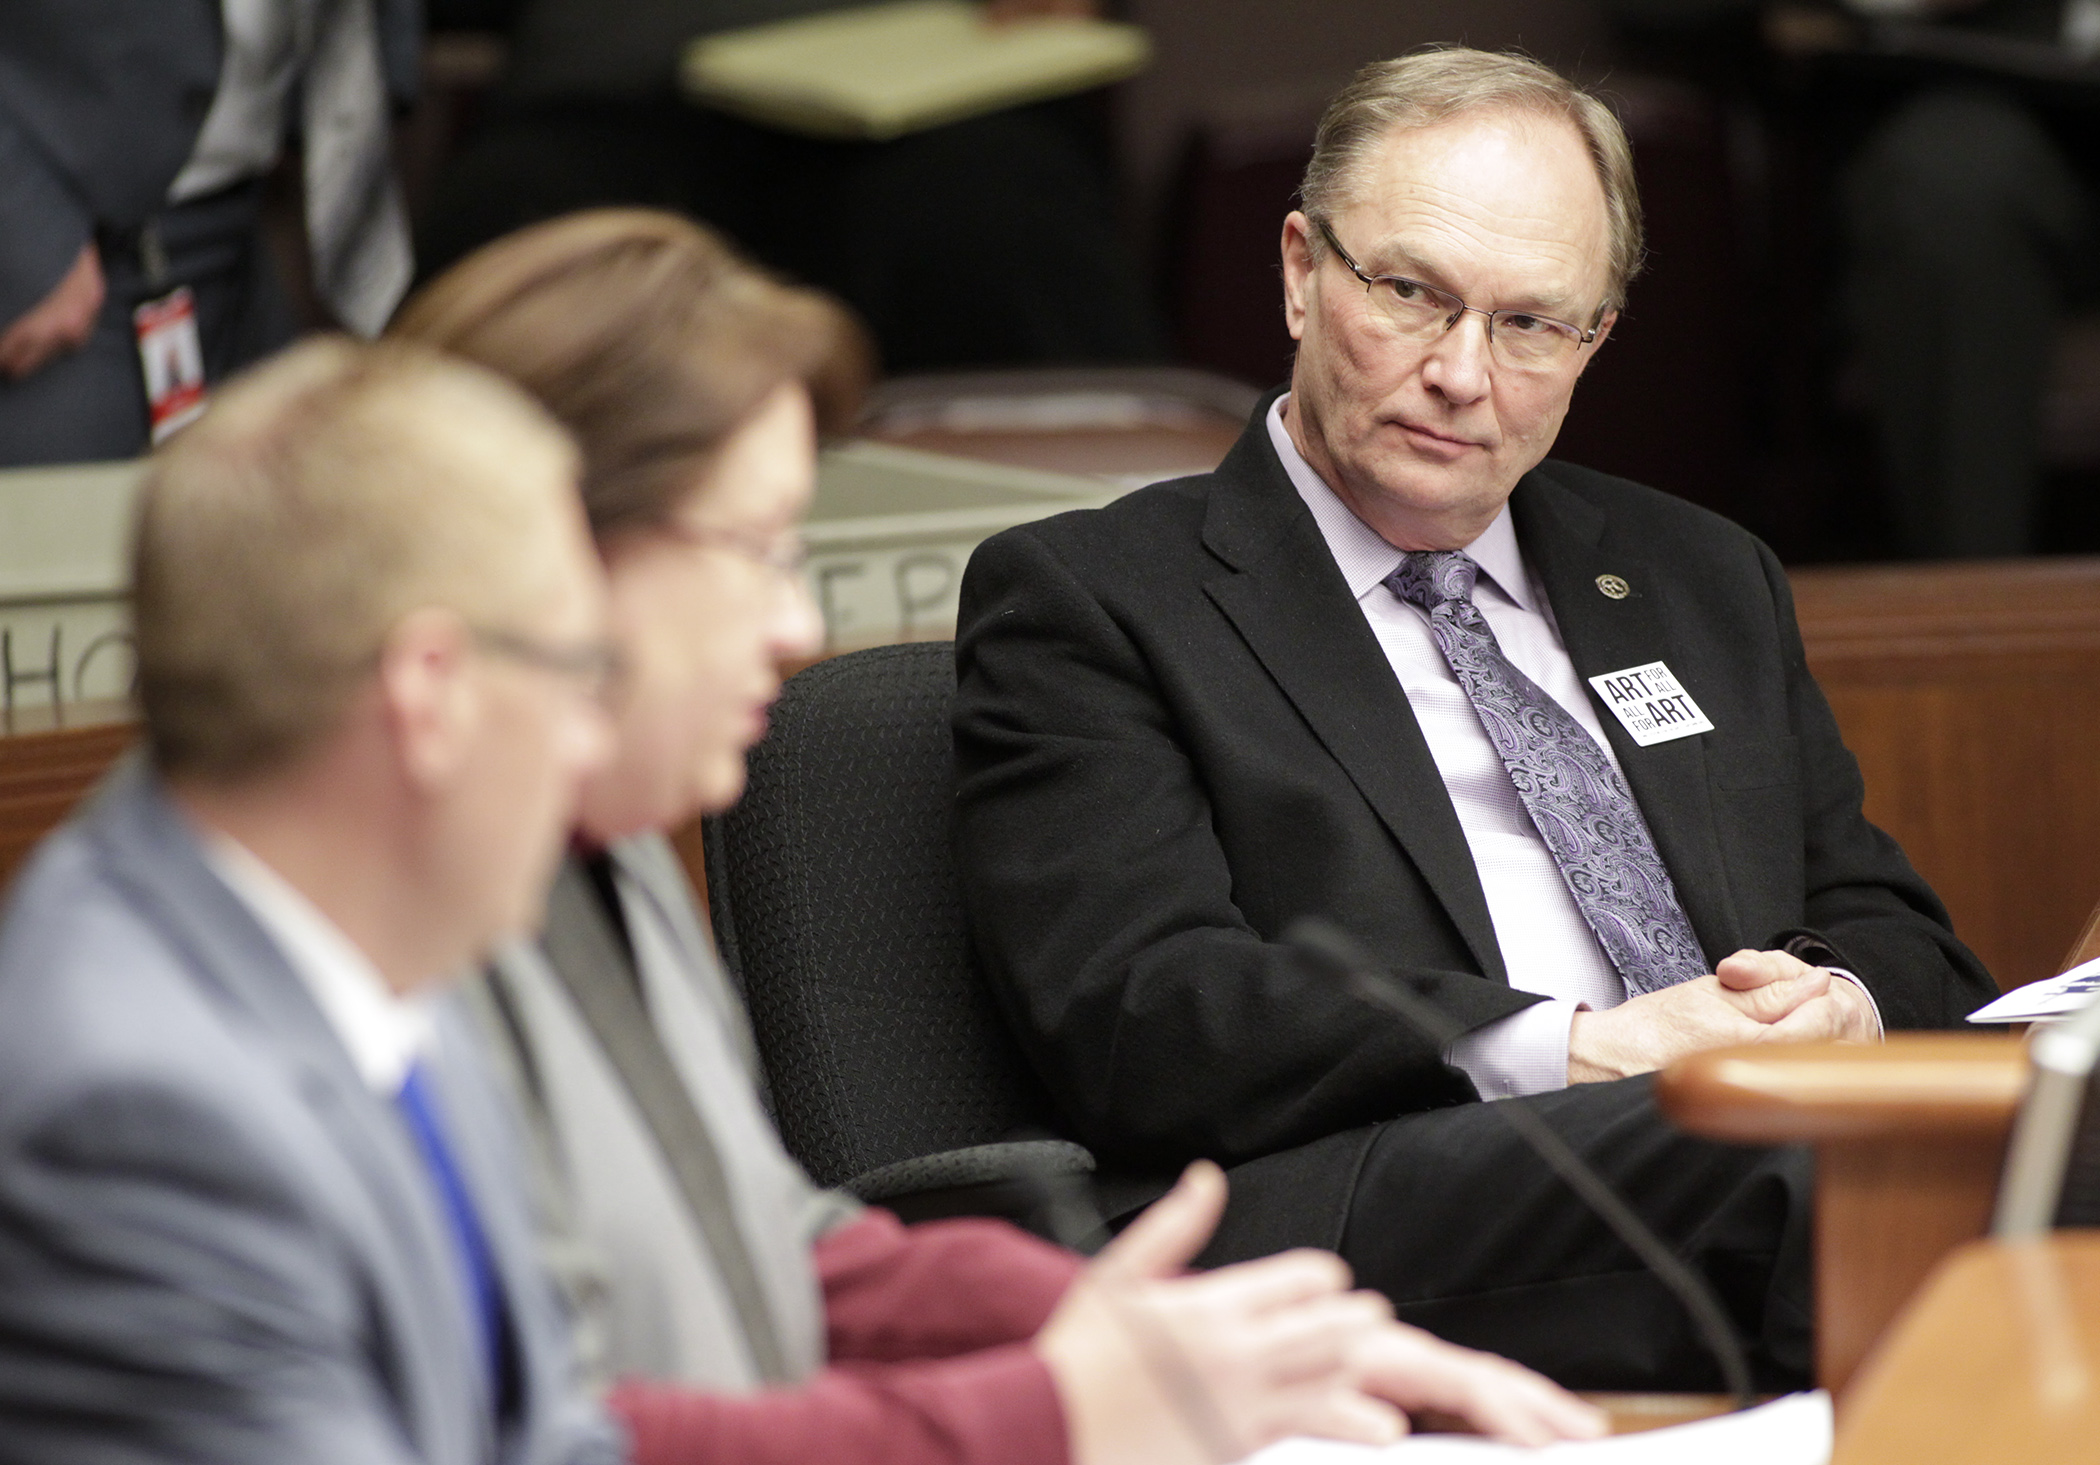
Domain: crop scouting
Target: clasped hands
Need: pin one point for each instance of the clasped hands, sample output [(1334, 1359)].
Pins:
[(1155, 1366), (1750, 997)]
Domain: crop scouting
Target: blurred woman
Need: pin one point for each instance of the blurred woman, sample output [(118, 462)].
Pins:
[(748, 1315)]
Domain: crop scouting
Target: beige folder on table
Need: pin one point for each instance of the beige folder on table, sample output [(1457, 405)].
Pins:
[(882, 71)]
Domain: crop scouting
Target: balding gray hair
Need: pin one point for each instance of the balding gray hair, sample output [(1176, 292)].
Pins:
[(1438, 83)]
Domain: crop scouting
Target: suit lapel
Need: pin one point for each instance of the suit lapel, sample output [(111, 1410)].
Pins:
[(1281, 590), (1569, 543), (651, 864), (384, 1198)]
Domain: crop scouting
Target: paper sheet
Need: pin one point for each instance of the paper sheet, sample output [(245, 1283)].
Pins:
[(881, 71), (1795, 1430), (2051, 997)]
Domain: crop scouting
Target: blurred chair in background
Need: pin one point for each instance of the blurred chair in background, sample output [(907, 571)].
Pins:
[(991, 241)]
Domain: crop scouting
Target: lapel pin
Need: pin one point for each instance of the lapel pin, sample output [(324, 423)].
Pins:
[(1614, 587)]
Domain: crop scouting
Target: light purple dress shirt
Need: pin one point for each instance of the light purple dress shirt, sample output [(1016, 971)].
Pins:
[(1546, 944)]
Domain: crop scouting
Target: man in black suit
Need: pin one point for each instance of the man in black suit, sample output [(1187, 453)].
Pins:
[(1349, 674)]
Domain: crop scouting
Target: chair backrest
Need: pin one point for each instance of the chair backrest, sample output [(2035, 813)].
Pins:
[(832, 889)]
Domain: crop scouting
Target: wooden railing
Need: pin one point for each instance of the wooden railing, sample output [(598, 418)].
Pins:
[(1970, 693)]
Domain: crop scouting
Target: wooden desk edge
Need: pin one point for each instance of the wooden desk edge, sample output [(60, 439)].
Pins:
[(1989, 1362), (1914, 1084)]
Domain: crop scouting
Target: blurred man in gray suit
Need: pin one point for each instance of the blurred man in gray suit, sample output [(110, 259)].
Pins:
[(255, 1190)]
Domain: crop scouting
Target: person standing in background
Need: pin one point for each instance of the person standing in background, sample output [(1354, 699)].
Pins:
[(1964, 200), (1971, 223), (134, 139)]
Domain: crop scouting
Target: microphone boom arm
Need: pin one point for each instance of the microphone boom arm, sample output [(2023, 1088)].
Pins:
[(1333, 948)]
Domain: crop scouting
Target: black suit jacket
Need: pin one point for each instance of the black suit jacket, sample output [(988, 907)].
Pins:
[(1176, 733)]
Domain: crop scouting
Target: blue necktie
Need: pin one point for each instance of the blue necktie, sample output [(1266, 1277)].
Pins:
[(1576, 796), (476, 1267)]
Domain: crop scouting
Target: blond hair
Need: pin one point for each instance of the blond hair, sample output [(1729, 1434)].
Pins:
[(1437, 83), (323, 496), (649, 337)]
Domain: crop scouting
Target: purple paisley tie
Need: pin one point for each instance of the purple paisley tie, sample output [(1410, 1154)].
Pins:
[(1576, 796)]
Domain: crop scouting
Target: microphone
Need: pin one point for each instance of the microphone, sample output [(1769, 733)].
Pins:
[(1334, 950)]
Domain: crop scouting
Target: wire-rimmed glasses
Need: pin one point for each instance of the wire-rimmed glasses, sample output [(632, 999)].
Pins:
[(1521, 340), (784, 554), (595, 666)]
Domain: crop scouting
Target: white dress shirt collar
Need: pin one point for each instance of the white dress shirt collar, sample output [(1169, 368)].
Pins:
[(383, 1032), (1365, 558)]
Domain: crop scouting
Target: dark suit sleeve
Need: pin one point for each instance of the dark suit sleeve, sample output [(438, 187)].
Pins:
[(165, 1297), (46, 223), (1874, 913), (100, 105), (1103, 906)]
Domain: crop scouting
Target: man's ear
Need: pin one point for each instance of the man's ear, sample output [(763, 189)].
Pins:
[(1297, 272), (1611, 318), (428, 698)]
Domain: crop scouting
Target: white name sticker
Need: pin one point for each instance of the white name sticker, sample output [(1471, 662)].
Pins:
[(1651, 704)]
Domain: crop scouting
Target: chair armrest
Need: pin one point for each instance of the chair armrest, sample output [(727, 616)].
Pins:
[(1041, 1185), (1024, 1160), (1913, 1084)]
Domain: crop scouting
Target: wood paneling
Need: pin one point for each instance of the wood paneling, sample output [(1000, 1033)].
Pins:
[(46, 764), (1971, 695)]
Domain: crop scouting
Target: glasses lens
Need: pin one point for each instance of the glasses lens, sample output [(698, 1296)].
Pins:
[(789, 555), (1532, 342), (1412, 306)]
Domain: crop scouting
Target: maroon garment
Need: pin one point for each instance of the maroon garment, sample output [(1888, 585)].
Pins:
[(927, 1330)]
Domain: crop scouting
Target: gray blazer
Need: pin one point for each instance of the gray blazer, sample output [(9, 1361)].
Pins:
[(216, 1243), (653, 1295)]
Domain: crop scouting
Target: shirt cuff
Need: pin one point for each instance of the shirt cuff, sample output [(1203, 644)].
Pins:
[(1880, 1030), (1524, 1053)]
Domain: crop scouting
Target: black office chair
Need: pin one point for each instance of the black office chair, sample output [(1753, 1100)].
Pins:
[(833, 894)]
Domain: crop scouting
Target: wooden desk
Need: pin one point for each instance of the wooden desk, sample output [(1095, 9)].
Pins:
[(1909, 1138), (1997, 1361), (47, 761), (1635, 1413)]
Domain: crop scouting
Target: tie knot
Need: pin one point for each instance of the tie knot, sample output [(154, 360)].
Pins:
[(1430, 578)]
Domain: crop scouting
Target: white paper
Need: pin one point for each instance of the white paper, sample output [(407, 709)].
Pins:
[(2051, 997), (1795, 1430)]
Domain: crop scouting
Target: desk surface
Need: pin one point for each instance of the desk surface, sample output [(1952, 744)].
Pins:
[(1997, 1360)]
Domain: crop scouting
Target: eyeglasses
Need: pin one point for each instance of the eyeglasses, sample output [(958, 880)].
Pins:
[(1519, 339), (594, 665), (785, 553)]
